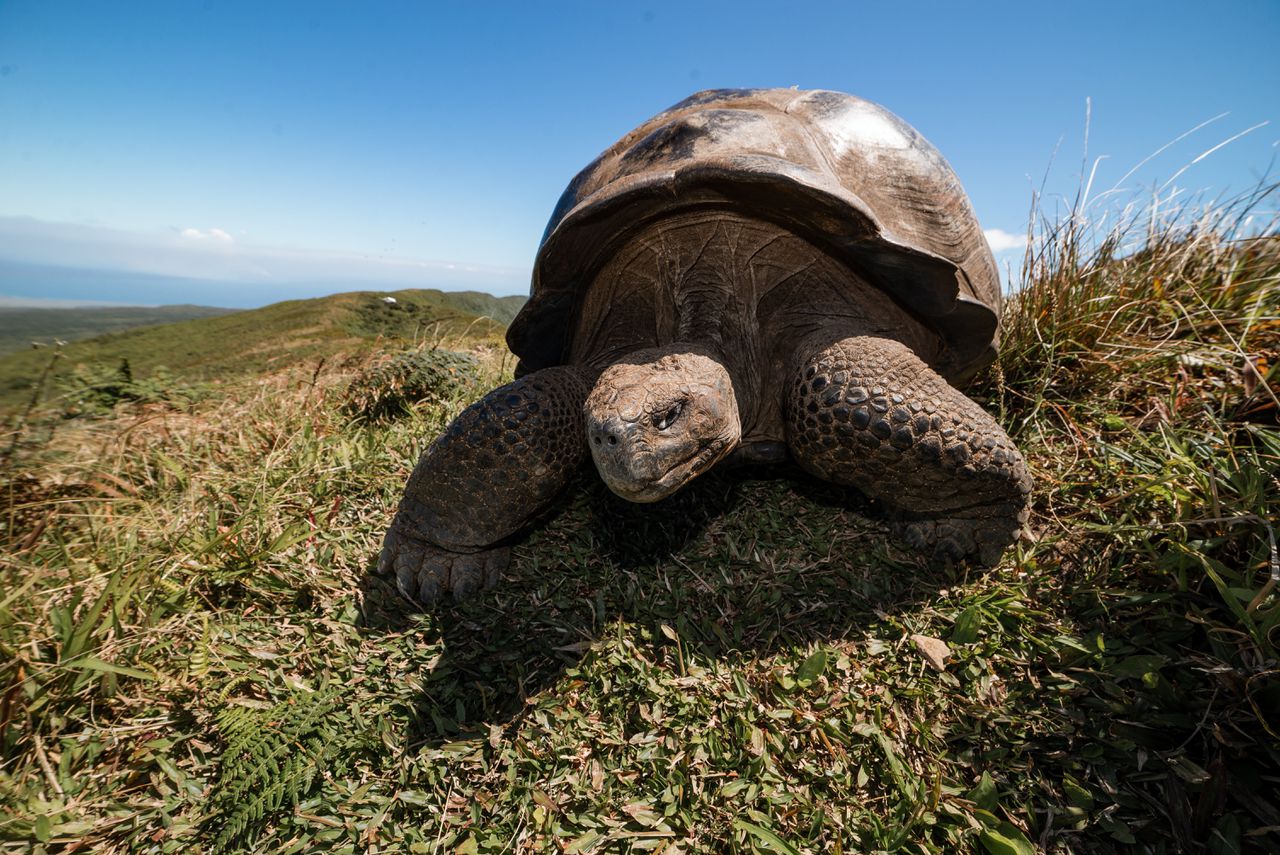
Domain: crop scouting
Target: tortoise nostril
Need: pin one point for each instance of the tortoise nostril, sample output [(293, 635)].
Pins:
[(596, 439), (613, 440)]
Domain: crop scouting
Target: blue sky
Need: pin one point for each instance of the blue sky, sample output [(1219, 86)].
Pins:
[(235, 153)]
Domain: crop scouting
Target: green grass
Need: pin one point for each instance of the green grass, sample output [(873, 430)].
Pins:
[(194, 653), (260, 341)]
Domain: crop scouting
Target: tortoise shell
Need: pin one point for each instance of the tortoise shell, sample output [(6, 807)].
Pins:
[(842, 172)]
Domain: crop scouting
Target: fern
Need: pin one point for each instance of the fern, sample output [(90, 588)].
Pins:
[(390, 388), (272, 758), (95, 390)]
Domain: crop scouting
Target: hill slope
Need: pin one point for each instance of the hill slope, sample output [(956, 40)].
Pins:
[(19, 327), (261, 340)]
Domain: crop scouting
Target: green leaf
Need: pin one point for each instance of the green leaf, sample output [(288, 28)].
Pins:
[(984, 794), (766, 837), (1117, 829), (584, 842), (965, 630), (92, 663), (174, 774), (1188, 770), (293, 534), (75, 828), (896, 768), (1217, 573), (1077, 795), (811, 668), (79, 642), (1004, 838), (1072, 643), (1225, 837)]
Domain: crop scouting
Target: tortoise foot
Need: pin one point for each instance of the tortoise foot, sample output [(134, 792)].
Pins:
[(867, 412), (427, 574), (980, 535)]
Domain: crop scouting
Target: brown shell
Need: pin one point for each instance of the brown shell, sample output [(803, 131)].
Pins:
[(843, 172)]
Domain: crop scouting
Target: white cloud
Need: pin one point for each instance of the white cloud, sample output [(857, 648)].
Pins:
[(212, 234), (1002, 241), (212, 254)]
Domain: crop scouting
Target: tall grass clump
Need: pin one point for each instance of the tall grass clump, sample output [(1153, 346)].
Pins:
[(1138, 371), (1147, 357)]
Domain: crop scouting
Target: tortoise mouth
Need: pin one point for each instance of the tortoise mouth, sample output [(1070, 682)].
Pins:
[(700, 460)]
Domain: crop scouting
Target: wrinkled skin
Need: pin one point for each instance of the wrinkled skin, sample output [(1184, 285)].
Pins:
[(658, 420), (705, 334)]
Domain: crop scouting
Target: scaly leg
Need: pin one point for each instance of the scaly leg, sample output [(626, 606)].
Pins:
[(500, 463), (867, 412)]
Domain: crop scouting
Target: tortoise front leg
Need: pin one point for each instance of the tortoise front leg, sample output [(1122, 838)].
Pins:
[(867, 412), (500, 463)]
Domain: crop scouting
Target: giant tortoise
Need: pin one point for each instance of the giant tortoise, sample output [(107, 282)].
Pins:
[(751, 275)]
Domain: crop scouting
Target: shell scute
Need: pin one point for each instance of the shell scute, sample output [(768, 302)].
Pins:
[(844, 172)]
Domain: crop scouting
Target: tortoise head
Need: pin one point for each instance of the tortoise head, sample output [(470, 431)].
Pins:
[(658, 419)]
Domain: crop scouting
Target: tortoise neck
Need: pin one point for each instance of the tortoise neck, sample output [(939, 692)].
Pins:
[(700, 267), (705, 314), (699, 261)]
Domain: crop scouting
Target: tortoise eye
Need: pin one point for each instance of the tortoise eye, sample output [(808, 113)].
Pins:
[(664, 421)]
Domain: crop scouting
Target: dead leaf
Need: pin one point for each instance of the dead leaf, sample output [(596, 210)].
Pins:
[(1251, 374), (597, 775)]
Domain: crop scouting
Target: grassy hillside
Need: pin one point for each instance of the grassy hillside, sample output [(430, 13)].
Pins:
[(264, 340), (193, 656), (20, 327)]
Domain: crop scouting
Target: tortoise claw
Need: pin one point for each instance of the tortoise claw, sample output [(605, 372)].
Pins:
[(980, 535), (426, 573)]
